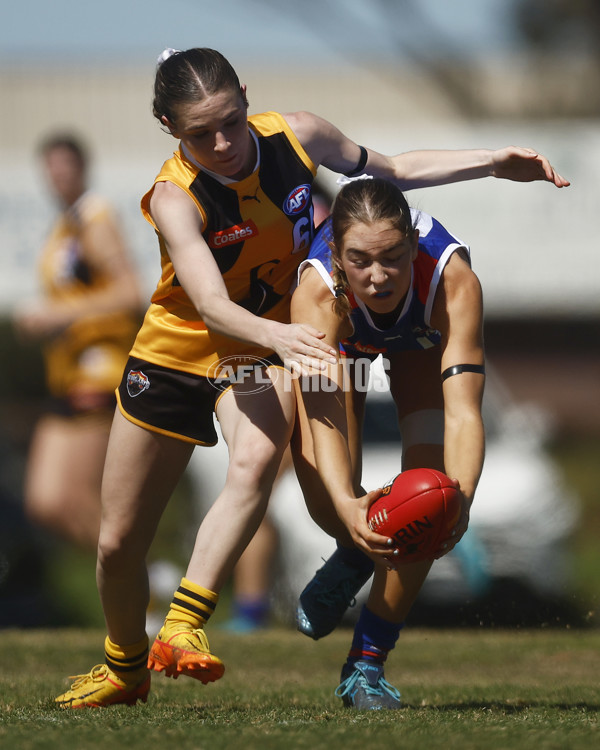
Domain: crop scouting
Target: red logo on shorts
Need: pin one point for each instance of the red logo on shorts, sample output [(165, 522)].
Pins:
[(137, 383)]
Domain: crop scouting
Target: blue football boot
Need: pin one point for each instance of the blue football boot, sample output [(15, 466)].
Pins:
[(364, 687), (327, 597)]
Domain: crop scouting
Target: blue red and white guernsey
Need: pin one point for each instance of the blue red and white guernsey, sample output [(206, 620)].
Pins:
[(412, 329)]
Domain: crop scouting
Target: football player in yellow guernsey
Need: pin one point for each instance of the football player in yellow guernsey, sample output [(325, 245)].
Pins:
[(86, 319), (232, 210)]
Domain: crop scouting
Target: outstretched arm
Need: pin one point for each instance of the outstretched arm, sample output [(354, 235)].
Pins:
[(327, 145), (416, 169)]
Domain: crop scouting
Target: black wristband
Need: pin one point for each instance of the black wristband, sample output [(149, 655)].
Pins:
[(361, 163), (457, 369)]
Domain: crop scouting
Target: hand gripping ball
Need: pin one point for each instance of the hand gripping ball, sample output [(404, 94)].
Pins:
[(418, 510)]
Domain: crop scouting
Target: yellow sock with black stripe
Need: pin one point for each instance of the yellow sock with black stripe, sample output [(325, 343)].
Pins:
[(192, 604), (125, 659)]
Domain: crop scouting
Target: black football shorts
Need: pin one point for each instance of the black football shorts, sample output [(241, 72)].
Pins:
[(172, 402)]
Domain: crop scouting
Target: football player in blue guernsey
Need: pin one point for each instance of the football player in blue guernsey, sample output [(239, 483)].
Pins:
[(381, 279)]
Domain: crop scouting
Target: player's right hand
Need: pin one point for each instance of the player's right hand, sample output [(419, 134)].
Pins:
[(302, 348), (353, 513)]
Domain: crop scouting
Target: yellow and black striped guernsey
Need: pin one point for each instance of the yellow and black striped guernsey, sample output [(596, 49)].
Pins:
[(259, 230)]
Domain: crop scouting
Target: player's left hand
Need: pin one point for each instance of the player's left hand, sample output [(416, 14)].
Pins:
[(459, 528), (524, 165)]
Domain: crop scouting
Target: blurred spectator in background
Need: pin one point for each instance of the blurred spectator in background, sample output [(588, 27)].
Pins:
[(85, 320)]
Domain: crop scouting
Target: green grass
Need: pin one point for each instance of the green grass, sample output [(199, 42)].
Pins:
[(578, 460), (461, 689)]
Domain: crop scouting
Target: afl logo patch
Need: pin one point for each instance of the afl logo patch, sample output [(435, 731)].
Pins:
[(137, 383), (297, 200)]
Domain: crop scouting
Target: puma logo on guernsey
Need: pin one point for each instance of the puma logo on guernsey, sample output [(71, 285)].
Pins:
[(251, 197), (231, 235)]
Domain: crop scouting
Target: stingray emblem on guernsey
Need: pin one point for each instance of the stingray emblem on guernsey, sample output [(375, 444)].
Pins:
[(297, 200), (236, 233), (137, 383)]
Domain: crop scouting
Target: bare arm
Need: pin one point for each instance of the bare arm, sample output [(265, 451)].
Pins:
[(325, 405), (178, 220), (327, 145), (458, 315), (324, 400)]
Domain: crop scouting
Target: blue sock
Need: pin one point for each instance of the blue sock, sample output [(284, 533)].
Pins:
[(253, 610), (373, 638), (355, 558)]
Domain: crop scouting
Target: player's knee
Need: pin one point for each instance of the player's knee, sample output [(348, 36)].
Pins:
[(255, 465), (327, 519), (117, 552)]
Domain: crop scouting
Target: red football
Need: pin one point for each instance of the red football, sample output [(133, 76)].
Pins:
[(418, 509)]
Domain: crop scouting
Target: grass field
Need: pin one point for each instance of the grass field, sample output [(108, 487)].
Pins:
[(468, 689)]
